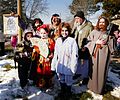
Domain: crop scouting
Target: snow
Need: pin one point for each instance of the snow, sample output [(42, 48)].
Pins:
[(9, 85), (94, 16), (10, 88)]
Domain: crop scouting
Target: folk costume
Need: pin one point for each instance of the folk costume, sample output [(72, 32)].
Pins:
[(100, 47), (42, 56)]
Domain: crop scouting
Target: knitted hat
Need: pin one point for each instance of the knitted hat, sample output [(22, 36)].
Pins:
[(27, 31), (79, 14)]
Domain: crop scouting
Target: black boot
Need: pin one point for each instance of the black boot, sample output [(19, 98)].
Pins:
[(85, 81), (68, 93), (63, 91)]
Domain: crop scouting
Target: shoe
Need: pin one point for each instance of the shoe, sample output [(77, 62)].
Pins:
[(26, 90)]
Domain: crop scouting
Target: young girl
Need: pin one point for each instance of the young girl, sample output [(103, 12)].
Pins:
[(65, 59), (42, 56)]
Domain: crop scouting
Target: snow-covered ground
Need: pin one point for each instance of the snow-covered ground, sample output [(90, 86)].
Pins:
[(10, 88)]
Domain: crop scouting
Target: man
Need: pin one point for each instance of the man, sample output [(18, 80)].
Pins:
[(100, 47), (81, 29), (55, 26)]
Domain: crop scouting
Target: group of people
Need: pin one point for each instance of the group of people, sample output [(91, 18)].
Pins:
[(68, 52)]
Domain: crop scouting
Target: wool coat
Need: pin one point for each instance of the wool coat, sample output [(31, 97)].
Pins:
[(82, 31)]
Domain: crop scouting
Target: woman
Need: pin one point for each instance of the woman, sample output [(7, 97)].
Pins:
[(36, 22), (55, 26), (100, 47), (65, 59)]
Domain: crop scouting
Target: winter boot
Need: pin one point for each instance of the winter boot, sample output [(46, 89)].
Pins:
[(68, 92), (85, 81), (63, 91)]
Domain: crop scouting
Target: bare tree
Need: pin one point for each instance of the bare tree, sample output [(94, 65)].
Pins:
[(35, 7), (84, 5)]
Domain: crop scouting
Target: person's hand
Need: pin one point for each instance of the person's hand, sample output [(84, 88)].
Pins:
[(102, 42), (99, 41), (47, 60)]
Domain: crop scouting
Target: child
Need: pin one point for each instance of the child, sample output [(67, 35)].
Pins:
[(65, 60), (24, 59), (42, 56)]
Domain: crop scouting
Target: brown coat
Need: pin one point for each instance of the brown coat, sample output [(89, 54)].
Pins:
[(83, 32), (100, 62)]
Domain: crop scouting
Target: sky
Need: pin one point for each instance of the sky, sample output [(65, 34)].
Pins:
[(60, 7), (7, 78)]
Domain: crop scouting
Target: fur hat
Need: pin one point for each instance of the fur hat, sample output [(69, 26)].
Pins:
[(79, 14)]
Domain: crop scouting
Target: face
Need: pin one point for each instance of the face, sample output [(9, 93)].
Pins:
[(56, 20), (28, 36), (78, 20), (37, 23), (64, 32), (119, 34), (43, 34), (102, 24), (116, 33)]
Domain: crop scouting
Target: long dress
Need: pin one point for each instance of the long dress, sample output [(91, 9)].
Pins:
[(101, 60), (42, 73)]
